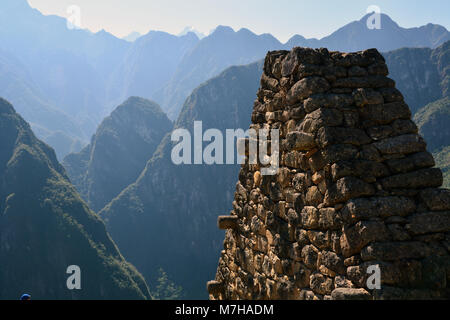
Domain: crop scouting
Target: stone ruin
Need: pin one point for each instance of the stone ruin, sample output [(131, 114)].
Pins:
[(356, 188)]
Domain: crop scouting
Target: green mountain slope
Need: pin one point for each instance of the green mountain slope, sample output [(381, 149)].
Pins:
[(422, 74), (224, 48), (171, 211), (118, 151), (45, 227), (433, 121)]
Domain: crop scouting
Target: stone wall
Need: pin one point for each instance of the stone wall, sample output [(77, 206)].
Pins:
[(356, 188)]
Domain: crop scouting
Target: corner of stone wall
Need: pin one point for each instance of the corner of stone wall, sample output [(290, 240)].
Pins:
[(356, 188)]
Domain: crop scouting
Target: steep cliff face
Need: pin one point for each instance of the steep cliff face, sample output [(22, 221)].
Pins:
[(433, 120), (356, 188), (45, 227), (170, 211), (422, 74), (118, 151)]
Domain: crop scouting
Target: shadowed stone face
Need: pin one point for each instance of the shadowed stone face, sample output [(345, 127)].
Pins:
[(356, 188)]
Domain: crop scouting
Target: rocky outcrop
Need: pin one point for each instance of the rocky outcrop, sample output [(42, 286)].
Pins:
[(356, 189)]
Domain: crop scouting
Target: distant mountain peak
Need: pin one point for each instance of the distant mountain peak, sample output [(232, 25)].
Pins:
[(222, 30), (190, 29), (119, 150), (104, 33), (134, 99), (245, 30), (156, 32), (134, 102)]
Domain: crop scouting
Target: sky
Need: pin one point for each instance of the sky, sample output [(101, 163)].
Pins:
[(281, 18)]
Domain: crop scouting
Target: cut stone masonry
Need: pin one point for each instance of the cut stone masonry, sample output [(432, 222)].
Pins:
[(356, 187)]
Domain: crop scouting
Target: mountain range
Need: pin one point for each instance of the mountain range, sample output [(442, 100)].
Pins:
[(433, 120), (78, 77), (423, 76), (45, 227), (356, 36)]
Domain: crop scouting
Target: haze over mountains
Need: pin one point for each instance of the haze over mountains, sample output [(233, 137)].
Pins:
[(357, 36), (149, 65), (78, 77), (132, 36), (176, 207), (422, 74)]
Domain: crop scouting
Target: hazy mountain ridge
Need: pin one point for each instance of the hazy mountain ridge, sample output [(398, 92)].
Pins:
[(356, 36), (167, 204), (177, 206), (213, 54), (118, 151), (433, 120), (148, 65), (69, 67), (423, 76), (45, 227), (46, 119), (442, 159), (225, 47), (132, 36), (83, 75)]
